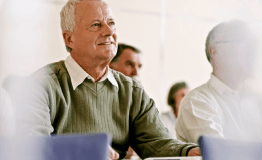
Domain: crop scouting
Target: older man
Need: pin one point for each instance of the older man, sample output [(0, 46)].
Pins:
[(82, 95), (127, 61), (222, 107)]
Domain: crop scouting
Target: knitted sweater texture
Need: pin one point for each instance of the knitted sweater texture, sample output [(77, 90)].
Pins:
[(125, 112)]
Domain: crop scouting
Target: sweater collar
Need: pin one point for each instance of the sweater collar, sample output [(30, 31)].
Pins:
[(78, 75)]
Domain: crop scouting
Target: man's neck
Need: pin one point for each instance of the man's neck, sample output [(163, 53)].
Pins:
[(95, 69), (96, 72), (233, 81)]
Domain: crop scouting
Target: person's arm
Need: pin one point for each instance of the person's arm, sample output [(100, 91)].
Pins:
[(33, 111), (197, 118), (149, 137)]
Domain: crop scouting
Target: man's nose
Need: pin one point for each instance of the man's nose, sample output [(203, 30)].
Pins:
[(108, 30), (136, 71)]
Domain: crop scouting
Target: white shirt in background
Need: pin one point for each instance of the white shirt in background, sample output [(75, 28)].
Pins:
[(169, 120), (215, 109)]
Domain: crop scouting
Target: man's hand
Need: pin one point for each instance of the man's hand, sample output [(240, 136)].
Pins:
[(113, 153), (130, 153), (194, 152)]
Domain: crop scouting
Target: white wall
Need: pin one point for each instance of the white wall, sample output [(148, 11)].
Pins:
[(170, 33), (180, 55), (30, 36)]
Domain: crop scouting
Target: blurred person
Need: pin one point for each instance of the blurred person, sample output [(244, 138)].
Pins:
[(83, 95), (7, 115), (12, 85), (222, 107), (175, 95), (127, 61), (9, 98)]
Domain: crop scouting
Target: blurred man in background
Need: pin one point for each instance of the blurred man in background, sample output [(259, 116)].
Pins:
[(175, 95), (222, 107), (127, 61)]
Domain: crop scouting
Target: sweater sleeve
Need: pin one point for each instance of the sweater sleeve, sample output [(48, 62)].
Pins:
[(33, 108), (150, 137)]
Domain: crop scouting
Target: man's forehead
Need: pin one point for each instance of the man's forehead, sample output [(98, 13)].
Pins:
[(92, 3), (233, 32), (130, 54), (93, 8)]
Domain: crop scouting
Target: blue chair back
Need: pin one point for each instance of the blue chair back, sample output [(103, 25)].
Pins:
[(66, 147), (220, 149)]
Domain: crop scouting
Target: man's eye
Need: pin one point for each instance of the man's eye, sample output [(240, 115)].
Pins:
[(112, 23), (96, 24), (127, 63)]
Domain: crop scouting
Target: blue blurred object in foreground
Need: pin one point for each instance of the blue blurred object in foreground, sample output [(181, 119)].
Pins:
[(67, 147), (221, 149)]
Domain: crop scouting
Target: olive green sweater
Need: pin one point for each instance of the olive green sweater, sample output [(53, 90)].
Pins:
[(52, 106)]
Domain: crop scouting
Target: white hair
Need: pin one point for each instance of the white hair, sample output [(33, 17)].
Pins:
[(224, 28), (67, 16)]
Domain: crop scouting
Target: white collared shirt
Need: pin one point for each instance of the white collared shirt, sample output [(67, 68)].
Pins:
[(215, 109), (78, 75), (169, 121)]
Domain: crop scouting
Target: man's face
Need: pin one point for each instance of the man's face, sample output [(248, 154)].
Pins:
[(94, 36), (178, 97), (238, 55), (129, 63), (236, 51)]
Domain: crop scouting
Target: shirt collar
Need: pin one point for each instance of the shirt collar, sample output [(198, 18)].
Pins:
[(78, 75), (218, 85)]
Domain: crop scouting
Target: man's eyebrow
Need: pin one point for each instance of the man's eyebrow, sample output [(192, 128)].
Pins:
[(111, 19), (129, 61), (96, 20)]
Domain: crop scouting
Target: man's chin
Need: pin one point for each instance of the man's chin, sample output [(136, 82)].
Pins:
[(107, 56), (136, 78)]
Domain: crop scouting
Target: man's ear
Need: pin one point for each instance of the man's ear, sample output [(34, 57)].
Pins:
[(68, 39), (212, 50)]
